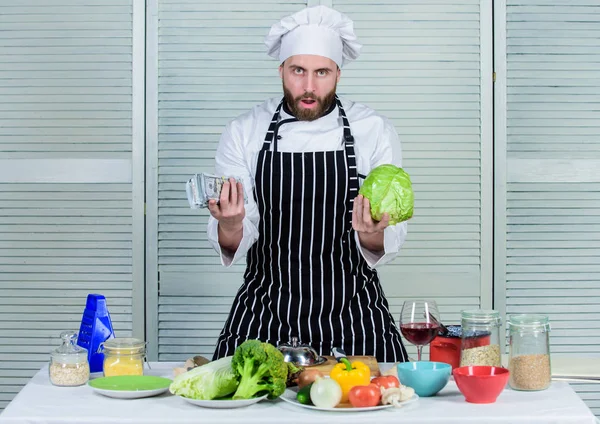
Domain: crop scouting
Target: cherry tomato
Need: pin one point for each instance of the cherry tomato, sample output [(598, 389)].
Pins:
[(364, 396), (386, 381)]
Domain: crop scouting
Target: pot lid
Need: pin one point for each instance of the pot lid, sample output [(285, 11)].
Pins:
[(300, 354)]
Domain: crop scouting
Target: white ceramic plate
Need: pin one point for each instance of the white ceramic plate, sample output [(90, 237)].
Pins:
[(224, 404), (130, 387), (290, 397), (130, 395)]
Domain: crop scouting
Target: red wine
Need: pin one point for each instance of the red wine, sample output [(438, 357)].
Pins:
[(419, 333)]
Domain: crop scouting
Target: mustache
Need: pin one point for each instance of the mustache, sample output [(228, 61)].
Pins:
[(311, 96)]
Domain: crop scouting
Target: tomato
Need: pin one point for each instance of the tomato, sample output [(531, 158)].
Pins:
[(363, 396), (386, 381)]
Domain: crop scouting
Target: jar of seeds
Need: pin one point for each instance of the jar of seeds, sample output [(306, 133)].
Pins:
[(480, 341), (529, 352), (68, 363)]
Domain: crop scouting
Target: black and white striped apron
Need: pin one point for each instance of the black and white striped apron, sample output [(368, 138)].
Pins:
[(305, 276)]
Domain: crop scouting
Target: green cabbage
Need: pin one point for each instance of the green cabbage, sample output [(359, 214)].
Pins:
[(389, 190), (209, 381)]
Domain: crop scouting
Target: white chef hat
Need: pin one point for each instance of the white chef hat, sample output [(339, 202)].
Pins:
[(317, 30)]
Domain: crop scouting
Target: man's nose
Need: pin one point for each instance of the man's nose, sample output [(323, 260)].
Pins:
[(309, 83)]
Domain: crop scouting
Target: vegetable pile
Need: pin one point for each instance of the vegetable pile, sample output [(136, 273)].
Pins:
[(389, 190), (255, 369), (350, 383), (258, 369)]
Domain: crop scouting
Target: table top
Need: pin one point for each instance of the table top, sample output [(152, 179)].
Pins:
[(40, 402)]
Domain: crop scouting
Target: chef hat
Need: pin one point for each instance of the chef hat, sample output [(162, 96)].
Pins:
[(317, 30)]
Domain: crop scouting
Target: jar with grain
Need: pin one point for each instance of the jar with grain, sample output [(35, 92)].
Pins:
[(480, 341), (123, 356), (529, 352), (68, 363)]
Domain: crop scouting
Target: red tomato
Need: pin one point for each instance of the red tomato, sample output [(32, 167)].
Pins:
[(386, 381), (363, 396)]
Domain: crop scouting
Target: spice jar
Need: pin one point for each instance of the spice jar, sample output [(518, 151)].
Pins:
[(123, 356), (68, 363), (480, 341), (529, 352)]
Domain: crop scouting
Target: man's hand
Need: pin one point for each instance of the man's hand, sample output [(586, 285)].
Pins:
[(230, 213), (370, 232)]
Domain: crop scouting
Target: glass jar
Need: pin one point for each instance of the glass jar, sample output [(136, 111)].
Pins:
[(123, 356), (68, 363), (529, 352), (480, 341)]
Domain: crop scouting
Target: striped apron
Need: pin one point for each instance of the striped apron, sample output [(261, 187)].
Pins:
[(305, 276)]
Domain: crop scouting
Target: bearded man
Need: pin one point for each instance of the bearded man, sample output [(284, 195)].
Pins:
[(310, 243)]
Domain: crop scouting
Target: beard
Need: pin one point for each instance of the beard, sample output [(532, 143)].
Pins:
[(303, 114)]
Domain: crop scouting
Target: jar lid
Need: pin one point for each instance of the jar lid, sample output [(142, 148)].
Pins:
[(481, 316), (528, 321), (124, 343), (69, 352)]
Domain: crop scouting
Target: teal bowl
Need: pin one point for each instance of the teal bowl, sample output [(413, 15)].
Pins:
[(427, 378)]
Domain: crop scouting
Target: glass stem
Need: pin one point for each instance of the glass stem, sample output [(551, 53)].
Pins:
[(419, 349)]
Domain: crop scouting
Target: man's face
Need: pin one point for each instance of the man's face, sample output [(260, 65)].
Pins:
[(309, 84)]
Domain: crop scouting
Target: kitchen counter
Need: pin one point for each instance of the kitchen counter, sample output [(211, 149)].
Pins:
[(39, 403)]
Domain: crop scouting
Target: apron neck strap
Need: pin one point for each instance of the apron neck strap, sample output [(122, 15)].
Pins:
[(348, 138), (270, 135)]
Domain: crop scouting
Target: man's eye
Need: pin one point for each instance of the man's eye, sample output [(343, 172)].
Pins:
[(321, 73), (298, 71)]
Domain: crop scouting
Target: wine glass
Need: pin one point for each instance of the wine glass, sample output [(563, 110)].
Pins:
[(419, 322)]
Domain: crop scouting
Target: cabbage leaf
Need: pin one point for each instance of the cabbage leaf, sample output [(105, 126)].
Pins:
[(209, 381)]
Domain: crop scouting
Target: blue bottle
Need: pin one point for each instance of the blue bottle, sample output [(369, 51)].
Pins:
[(96, 328)]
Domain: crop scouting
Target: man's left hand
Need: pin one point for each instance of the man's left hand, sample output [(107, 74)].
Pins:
[(361, 217)]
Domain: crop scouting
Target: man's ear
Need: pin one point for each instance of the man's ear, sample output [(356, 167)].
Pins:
[(339, 74), (281, 69)]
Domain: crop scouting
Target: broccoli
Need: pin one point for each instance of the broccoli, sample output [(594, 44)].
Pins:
[(261, 370)]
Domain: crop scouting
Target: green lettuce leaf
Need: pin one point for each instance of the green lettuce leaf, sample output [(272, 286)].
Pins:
[(209, 381)]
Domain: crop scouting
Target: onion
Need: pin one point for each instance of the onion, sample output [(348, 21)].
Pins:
[(325, 393), (308, 376)]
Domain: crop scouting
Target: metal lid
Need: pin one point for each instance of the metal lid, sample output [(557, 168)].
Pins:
[(300, 354), (124, 345), (456, 332)]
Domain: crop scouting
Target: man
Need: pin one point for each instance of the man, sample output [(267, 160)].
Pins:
[(310, 243)]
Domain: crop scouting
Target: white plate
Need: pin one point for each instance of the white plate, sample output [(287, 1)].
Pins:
[(137, 394), (224, 404), (130, 386), (290, 397)]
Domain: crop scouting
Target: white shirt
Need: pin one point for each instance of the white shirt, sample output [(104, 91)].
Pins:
[(375, 142)]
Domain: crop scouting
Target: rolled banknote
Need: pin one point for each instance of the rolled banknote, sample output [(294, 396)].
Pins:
[(202, 187)]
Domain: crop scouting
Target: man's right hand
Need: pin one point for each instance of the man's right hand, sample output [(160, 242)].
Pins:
[(230, 213)]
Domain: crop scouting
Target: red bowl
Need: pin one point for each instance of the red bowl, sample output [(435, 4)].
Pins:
[(480, 384)]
